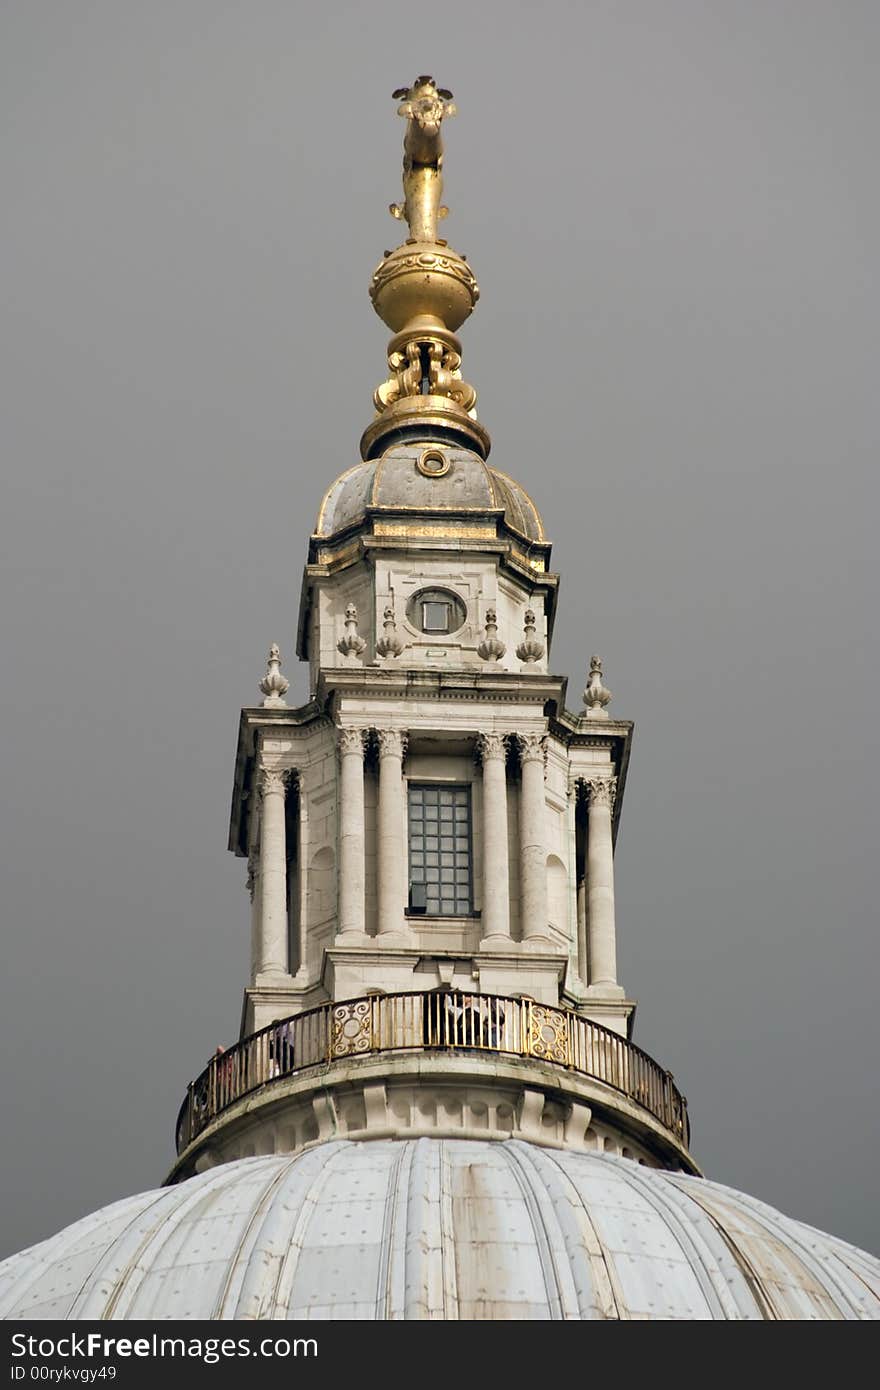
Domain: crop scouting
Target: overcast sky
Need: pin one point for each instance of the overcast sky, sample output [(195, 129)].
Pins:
[(672, 211)]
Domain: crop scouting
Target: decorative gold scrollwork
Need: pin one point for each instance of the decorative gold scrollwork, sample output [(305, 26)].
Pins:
[(352, 1030), (548, 1034)]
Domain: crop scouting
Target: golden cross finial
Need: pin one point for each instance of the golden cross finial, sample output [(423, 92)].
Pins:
[(425, 106)]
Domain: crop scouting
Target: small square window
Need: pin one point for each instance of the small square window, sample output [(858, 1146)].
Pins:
[(435, 616)]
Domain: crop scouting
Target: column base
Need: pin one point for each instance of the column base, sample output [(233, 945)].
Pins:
[(602, 989), (498, 942), (537, 942), (272, 979), (352, 938)]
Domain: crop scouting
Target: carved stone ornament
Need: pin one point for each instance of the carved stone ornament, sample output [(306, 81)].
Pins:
[(392, 743), (532, 748), (274, 780), (530, 649), (390, 643), (273, 685), (597, 695), (491, 648), (352, 644), (491, 746), (602, 790), (351, 741)]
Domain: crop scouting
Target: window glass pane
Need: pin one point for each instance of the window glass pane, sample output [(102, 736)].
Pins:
[(435, 616), (441, 861)]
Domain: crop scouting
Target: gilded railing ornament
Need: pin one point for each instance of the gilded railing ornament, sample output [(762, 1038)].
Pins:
[(351, 1030), (424, 291), (548, 1034)]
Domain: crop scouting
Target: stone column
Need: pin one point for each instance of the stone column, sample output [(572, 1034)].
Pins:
[(600, 884), (391, 837), (351, 897), (253, 887), (496, 891), (582, 944), (532, 850), (273, 872)]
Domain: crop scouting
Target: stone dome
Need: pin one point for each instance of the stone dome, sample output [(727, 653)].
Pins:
[(440, 1228), (427, 478)]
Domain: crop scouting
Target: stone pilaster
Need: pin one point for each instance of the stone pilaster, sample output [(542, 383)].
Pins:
[(496, 889), (351, 897), (532, 849)]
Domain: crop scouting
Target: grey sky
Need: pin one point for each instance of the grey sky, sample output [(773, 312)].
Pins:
[(672, 210)]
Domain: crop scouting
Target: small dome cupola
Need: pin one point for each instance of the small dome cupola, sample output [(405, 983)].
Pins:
[(427, 480)]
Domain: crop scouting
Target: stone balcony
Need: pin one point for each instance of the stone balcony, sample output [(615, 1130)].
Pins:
[(440, 1061)]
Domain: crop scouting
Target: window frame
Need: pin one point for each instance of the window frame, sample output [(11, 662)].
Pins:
[(418, 785), (456, 611)]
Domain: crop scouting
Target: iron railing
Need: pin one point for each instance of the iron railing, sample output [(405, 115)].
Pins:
[(440, 1020)]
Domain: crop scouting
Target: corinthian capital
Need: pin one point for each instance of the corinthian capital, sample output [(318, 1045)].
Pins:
[(392, 743), (492, 746), (351, 741), (602, 789), (273, 779), (532, 748)]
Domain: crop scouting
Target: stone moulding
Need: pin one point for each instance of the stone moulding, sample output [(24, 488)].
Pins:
[(465, 1095)]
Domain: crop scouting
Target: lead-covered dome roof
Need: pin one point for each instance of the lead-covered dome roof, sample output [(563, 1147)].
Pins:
[(427, 478), (440, 1228)]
